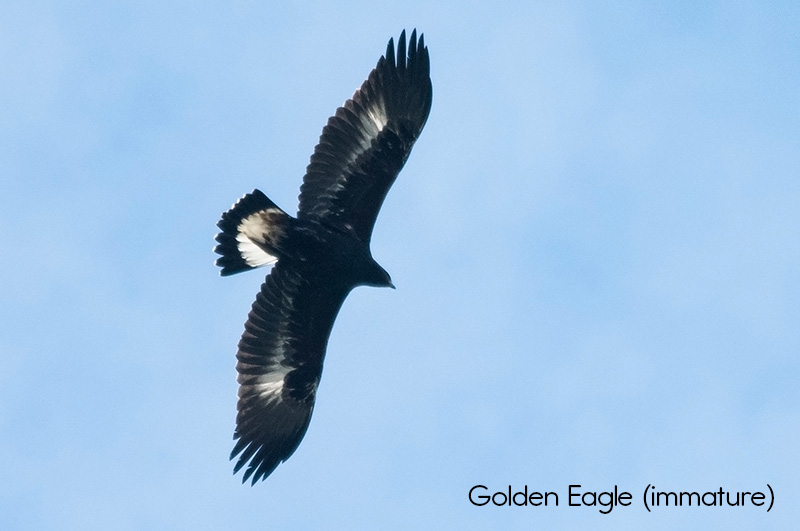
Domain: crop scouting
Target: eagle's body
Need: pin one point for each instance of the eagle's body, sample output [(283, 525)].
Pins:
[(319, 256)]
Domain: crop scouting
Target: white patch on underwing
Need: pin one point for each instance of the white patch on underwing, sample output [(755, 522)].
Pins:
[(373, 120), (377, 113), (269, 386), (270, 390)]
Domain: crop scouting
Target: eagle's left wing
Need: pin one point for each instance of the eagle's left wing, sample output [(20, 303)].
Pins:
[(280, 364)]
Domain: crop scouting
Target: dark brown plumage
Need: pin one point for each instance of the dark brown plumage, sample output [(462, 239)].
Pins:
[(320, 255)]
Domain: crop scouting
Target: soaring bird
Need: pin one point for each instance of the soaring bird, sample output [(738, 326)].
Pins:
[(318, 256)]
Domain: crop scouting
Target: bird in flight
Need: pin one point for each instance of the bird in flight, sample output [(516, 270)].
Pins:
[(318, 256)]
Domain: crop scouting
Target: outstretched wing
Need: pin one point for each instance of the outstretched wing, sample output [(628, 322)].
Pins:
[(279, 364), (365, 144)]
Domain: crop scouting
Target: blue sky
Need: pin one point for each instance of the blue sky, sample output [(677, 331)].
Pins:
[(596, 245)]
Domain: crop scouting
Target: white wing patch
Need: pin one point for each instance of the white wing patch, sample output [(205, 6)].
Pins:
[(271, 386), (372, 121), (377, 113)]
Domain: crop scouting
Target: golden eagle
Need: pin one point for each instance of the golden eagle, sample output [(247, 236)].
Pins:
[(320, 255)]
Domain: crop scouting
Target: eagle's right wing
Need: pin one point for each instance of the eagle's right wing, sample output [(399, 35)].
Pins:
[(366, 143)]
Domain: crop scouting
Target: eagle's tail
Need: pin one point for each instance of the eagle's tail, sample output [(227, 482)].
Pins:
[(251, 233)]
